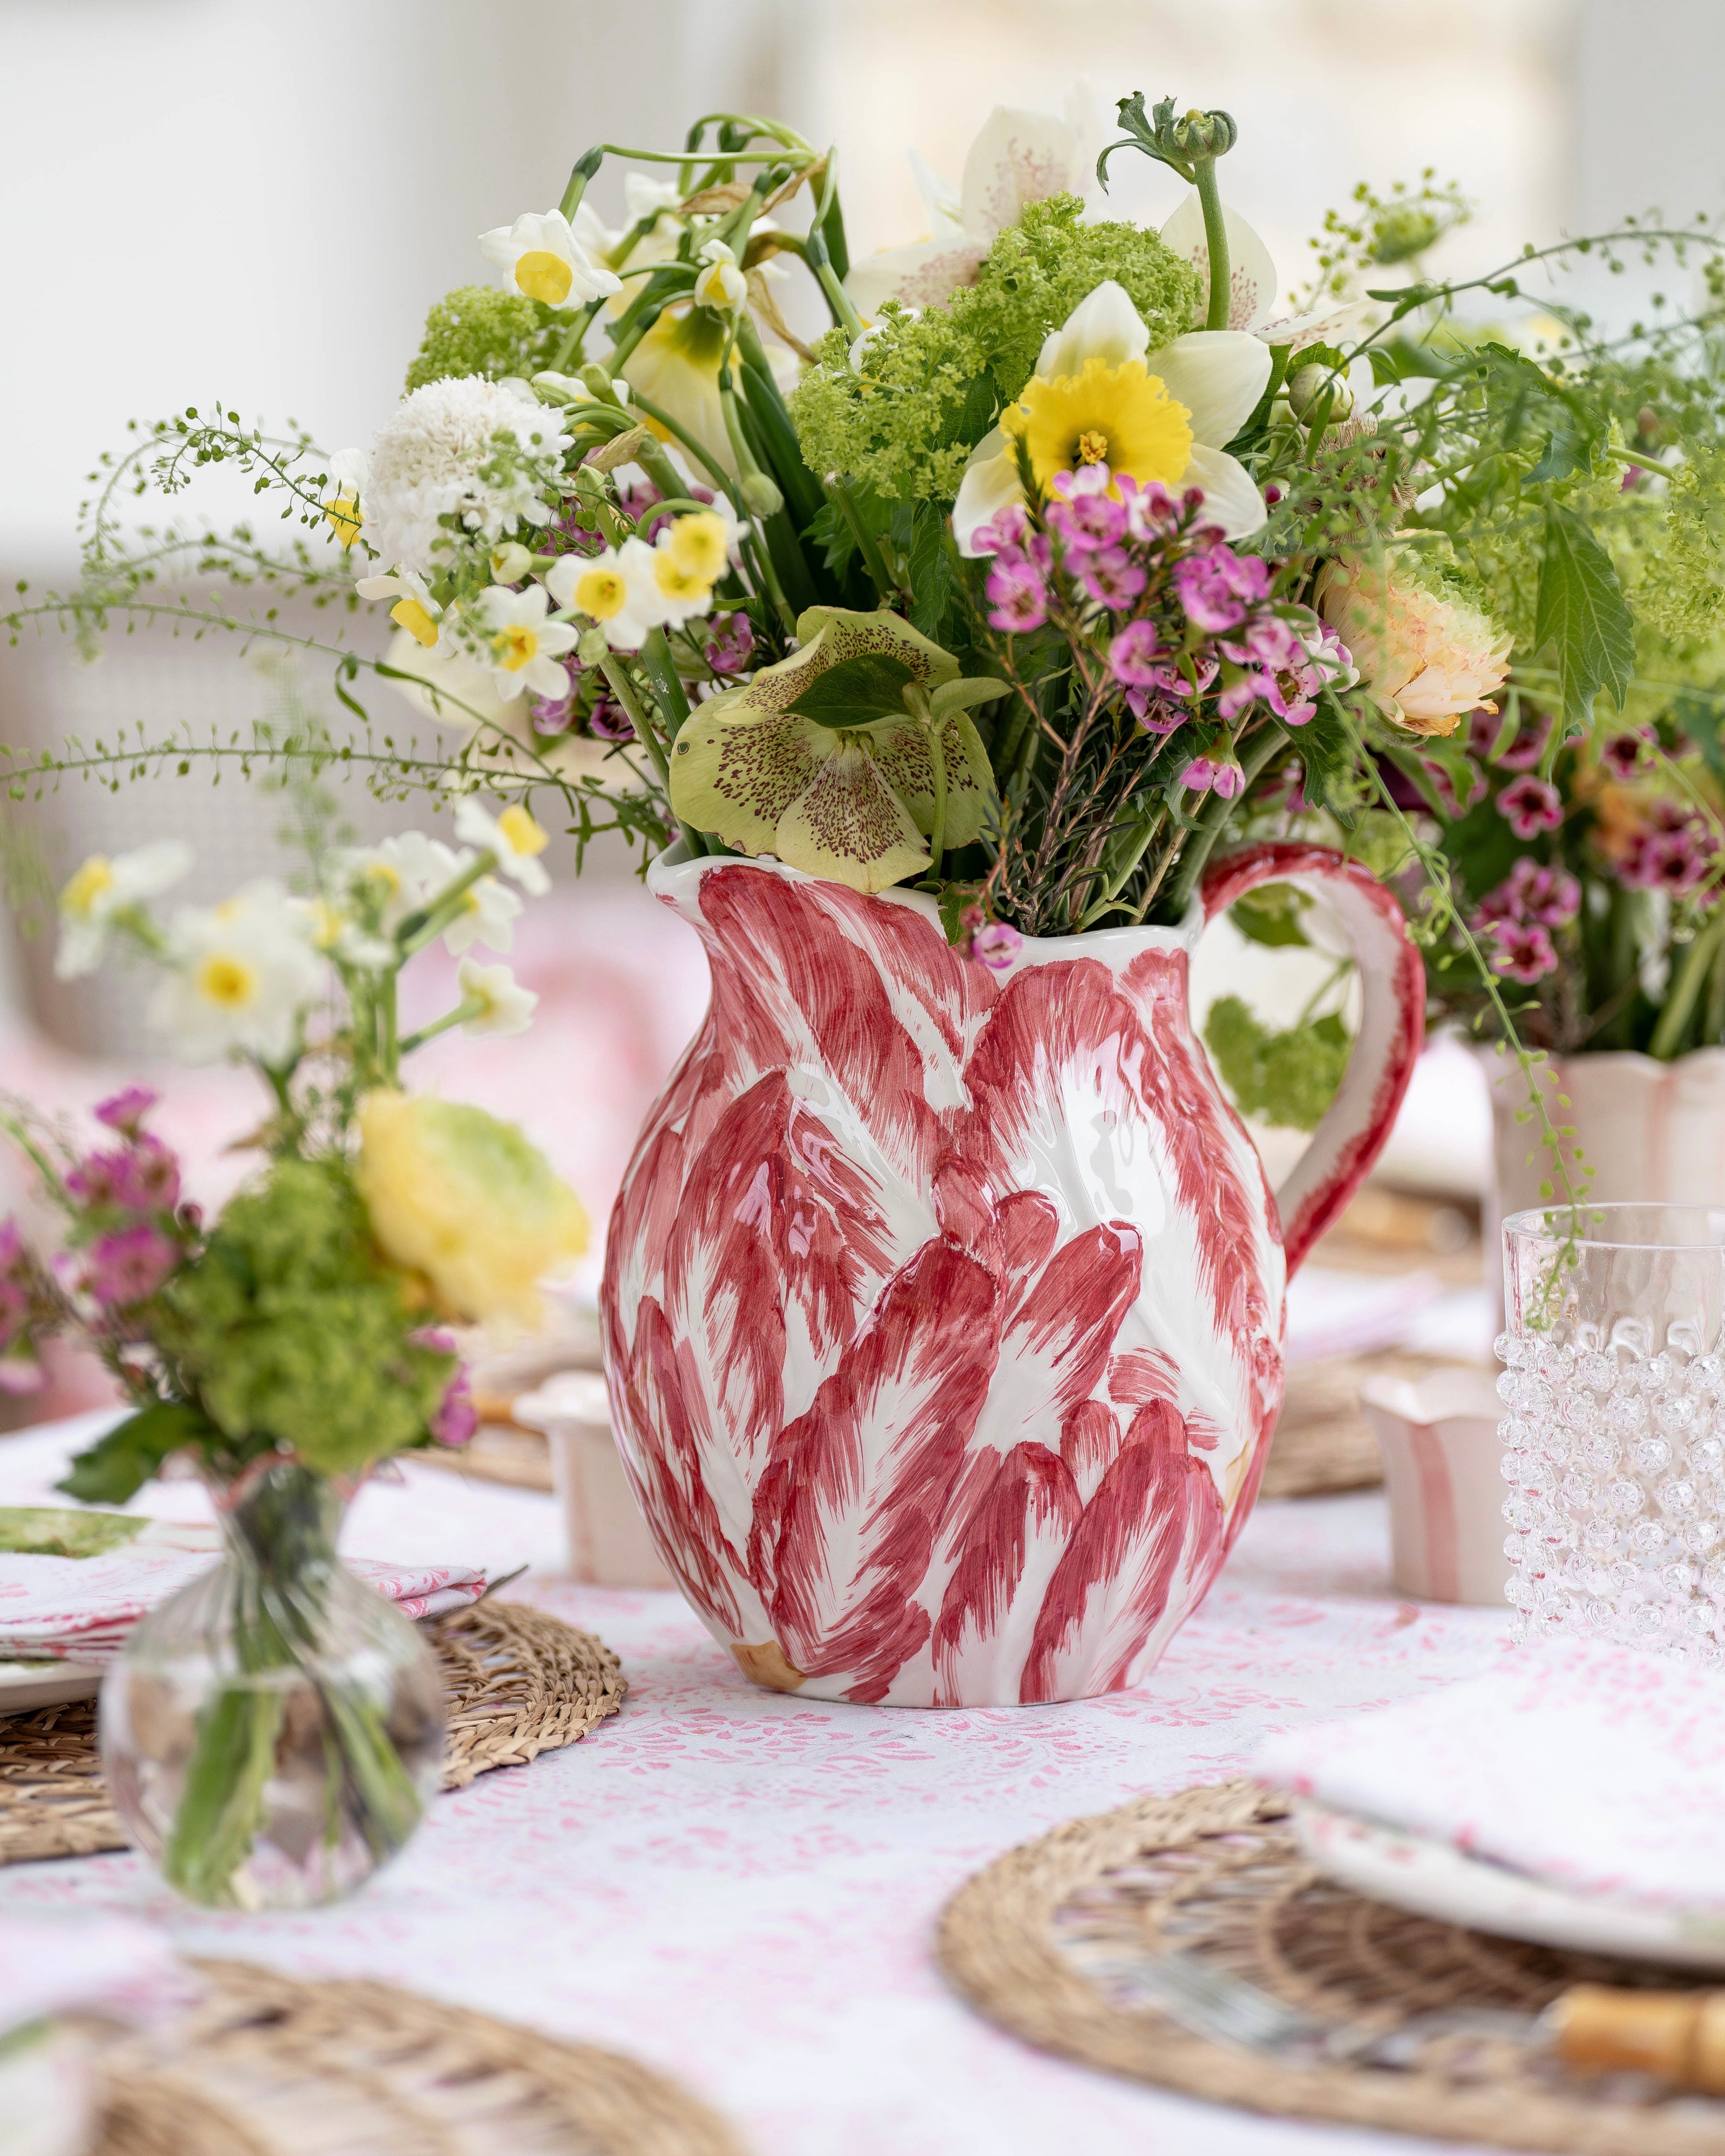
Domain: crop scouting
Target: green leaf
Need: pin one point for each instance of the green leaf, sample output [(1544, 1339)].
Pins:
[(1582, 612), (856, 691), (1413, 767), (1270, 915), (933, 570), (48, 1531), (117, 1467), (1327, 759)]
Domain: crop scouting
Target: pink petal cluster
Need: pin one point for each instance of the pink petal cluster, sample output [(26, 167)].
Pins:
[(1531, 805), (1676, 854), (730, 644), (1532, 892), (130, 1226)]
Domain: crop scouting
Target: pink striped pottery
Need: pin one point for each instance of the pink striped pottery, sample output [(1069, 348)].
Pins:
[(943, 1307), (1442, 1459)]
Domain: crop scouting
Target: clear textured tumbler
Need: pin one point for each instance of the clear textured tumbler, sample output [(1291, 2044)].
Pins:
[(1614, 1441)]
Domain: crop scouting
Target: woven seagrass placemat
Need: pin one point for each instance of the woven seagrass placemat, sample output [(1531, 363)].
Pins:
[(268, 2067), (1045, 1940), (517, 1682)]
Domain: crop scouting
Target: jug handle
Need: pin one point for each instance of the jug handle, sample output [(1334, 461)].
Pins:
[(1357, 1122)]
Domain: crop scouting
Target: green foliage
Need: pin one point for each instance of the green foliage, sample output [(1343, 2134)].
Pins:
[(1286, 1080), (1377, 232), (479, 329), (1270, 915), (291, 1331), (1582, 612), (117, 1467), (930, 387), (43, 1531)]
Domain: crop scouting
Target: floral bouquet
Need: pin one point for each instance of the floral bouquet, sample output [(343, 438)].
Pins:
[(1058, 559), (273, 1731)]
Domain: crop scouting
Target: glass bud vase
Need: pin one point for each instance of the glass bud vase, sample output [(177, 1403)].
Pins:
[(272, 1734)]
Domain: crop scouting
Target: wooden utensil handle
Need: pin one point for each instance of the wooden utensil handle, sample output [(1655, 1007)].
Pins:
[(1678, 2035)]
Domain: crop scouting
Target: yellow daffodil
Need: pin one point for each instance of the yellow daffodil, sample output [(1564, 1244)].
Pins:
[(515, 840), (828, 759), (676, 366), (342, 507), (541, 257), (415, 610), (700, 544), (466, 1202), (1100, 396)]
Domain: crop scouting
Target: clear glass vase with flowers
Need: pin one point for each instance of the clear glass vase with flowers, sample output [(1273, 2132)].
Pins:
[(272, 1733)]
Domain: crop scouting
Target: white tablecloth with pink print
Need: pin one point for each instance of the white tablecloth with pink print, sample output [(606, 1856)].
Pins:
[(741, 1887)]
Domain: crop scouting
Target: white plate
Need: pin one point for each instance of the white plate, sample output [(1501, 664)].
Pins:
[(1435, 1879), (26, 1685)]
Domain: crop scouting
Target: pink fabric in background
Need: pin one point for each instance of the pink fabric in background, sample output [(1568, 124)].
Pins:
[(622, 987)]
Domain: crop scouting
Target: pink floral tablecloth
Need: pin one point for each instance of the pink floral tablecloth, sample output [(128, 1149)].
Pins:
[(741, 1887)]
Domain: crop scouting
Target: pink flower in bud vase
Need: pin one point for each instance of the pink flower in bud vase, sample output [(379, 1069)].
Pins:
[(127, 1267), (1524, 952), (124, 1111), (1531, 805), (996, 945), (1133, 656), (1019, 598), (1110, 575), (456, 1418), (1207, 774), (731, 646)]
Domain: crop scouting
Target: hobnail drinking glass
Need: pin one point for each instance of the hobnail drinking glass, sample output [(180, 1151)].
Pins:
[(273, 1734), (1614, 1441)]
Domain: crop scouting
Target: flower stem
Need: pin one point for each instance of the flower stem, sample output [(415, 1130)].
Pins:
[(469, 1006), (430, 921), (1215, 242), (1685, 987)]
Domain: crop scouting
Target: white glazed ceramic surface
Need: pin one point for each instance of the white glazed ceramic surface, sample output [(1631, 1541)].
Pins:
[(944, 1305), (609, 1545), (1434, 1879), (1650, 1133), (1442, 1460)]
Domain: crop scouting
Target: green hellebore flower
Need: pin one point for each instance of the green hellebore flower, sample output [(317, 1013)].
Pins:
[(828, 760)]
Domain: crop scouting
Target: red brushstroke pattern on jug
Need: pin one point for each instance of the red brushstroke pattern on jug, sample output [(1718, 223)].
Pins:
[(944, 1307)]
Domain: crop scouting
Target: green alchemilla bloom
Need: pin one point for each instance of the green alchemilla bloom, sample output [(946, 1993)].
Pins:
[(853, 759)]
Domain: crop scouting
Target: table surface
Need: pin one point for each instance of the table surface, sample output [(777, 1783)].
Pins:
[(742, 1887)]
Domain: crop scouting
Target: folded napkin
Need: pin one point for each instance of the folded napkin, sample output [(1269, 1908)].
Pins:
[(1592, 1767), (74, 1585), (65, 1963)]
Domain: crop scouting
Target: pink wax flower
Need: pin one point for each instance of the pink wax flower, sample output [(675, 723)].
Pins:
[(1208, 774), (1523, 952), (731, 645), (996, 945), (144, 1179), (1133, 656), (556, 714), (1084, 512), (1240, 694), (1004, 531), (1110, 575), (124, 1111), (1153, 712), (1151, 509), (1530, 806), (608, 722), (1019, 597), (1218, 587), (128, 1266)]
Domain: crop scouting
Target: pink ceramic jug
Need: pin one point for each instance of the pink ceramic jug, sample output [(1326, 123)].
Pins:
[(944, 1306)]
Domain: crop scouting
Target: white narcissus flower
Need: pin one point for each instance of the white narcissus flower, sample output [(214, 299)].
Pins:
[(505, 1006), (489, 912), (541, 257), (485, 455), (1018, 157), (721, 285), (415, 609), (241, 975), (343, 506), (453, 691), (616, 589), (514, 841), (395, 878), (522, 645), (105, 888), (1100, 396)]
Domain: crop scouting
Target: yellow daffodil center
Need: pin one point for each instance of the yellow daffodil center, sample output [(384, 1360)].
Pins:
[(515, 646), (80, 895), (674, 581), (410, 615), (1122, 416), (222, 979), (601, 593), (524, 835), (543, 276), (697, 545), (341, 513)]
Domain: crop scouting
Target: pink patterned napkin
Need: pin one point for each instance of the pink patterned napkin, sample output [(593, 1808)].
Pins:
[(81, 1609), (1592, 1767)]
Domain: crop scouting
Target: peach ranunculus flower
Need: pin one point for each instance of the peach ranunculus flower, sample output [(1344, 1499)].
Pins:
[(1423, 658)]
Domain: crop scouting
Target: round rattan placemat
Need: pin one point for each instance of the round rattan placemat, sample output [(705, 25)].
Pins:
[(517, 1682), (266, 2066), (1044, 1941)]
